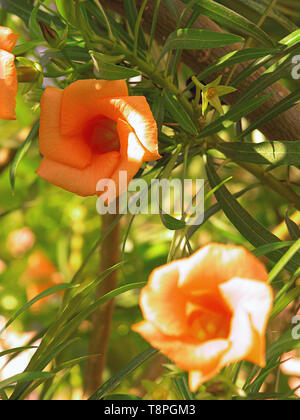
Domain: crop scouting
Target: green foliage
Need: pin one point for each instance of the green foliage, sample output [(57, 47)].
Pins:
[(257, 207)]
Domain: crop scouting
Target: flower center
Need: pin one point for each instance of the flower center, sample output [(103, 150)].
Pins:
[(208, 326), (211, 93), (101, 135)]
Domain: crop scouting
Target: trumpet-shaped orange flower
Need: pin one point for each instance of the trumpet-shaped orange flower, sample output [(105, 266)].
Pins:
[(93, 130), (8, 74), (208, 310)]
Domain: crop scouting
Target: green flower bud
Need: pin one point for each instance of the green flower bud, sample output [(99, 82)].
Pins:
[(50, 35)]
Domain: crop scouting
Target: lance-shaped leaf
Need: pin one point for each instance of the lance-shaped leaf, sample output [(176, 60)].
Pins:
[(22, 152), (198, 39), (282, 106), (291, 39), (269, 152), (234, 115), (250, 228), (230, 19), (235, 57), (273, 13), (179, 114), (293, 228)]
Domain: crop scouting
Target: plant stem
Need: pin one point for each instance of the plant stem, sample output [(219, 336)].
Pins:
[(109, 30), (137, 27), (273, 183), (102, 318)]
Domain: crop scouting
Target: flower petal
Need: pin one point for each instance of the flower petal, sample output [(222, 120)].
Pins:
[(240, 337), (215, 264), (197, 378), (162, 302), (72, 151), (187, 354), (251, 303), (8, 85), (80, 98), (80, 107), (82, 182), (132, 156), (8, 39)]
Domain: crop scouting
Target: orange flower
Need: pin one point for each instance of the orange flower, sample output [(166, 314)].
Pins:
[(40, 275), (208, 310), (92, 130), (8, 74)]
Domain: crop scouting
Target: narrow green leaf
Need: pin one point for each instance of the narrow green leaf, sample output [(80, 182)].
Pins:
[(263, 374), (34, 27), (235, 57), (274, 14), (197, 39), (132, 16), (18, 8), (173, 10), (284, 260), (117, 28), (25, 47), (108, 71), (285, 343), (291, 39), (234, 115), (16, 350), (115, 380), (24, 10), (213, 190), (289, 102), (3, 395), (266, 249), (71, 363), (269, 77), (67, 10), (183, 388), (293, 228), (45, 293), (265, 153), (228, 18), (43, 361), (172, 223), (250, 228), (87, 311), (53, 344), (22, 152), (284, 301), (214, 209), (25, 377), (177, 111)]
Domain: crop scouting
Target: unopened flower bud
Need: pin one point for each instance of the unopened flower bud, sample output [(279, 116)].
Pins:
[(49, 34), (29, 74), (59, 63)]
